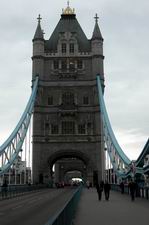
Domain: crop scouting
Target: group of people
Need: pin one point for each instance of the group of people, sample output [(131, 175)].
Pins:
[(106, 187), (132, 188)]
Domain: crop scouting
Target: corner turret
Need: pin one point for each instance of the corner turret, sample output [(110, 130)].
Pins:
[(97, 50), (97, 39), (96, 33), (39, 32), (38, 40), (38, 50)]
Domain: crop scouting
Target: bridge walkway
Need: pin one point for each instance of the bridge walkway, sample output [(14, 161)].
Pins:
[(119, 210)]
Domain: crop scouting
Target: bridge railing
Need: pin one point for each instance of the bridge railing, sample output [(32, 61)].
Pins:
[(66, 214), (14, 191), (142, 192)]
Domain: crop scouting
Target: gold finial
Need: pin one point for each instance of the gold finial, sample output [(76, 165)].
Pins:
[(39, 18), (96, 18), (68, 10)]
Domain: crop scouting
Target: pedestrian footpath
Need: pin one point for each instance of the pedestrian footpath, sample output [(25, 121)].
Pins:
[(119, 210)]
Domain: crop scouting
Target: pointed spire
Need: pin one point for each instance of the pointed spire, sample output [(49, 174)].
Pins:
[(96, 32), (39, 32)]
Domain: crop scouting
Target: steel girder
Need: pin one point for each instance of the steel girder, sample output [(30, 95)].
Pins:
[(10, 149)]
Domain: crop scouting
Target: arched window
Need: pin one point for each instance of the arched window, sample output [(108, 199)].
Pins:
[(63, 47), (64, 64), (71, 47), (68, 127), (71, 64), (50, 100), (54, 129), (55, 64), (79, 64), (81, 128), (85, 100), (68, 98)]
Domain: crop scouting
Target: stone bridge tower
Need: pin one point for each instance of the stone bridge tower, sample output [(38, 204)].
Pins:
[(67, 119)]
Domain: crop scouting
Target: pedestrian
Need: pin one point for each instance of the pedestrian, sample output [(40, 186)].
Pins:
[(99, 188), (107, 188), (88, 184), (122, 187), (132, 189), (4, 189)]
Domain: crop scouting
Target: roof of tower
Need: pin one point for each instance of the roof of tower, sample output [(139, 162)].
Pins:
[(39, 31), (68, 23), (97, 33)]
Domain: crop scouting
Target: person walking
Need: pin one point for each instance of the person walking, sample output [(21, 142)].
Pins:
[(122, 187), (4, 189), (88, 184), (99, 188), (132, 189), (107, 188)]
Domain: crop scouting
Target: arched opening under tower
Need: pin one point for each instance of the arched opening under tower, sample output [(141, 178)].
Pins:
[(74, 177), (65, 169), (55, 167)]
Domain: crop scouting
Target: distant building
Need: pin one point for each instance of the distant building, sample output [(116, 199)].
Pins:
[(18, 174)]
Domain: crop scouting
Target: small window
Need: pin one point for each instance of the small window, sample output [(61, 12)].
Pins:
[(68, 127), (50, 100), (79, 64), (85, 100), (68, 98), (71, 64), (63, 47), (46, 125), (56, 64), (71, 48), (81, 129), (54, 129), (64, 64)]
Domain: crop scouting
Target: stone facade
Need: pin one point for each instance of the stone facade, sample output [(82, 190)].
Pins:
[(67, 119)]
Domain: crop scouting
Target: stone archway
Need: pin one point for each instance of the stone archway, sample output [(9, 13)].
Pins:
[(68, 160), (67, 154), (65, 165)]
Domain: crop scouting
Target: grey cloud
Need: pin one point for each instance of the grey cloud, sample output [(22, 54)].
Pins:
[(125, 30)]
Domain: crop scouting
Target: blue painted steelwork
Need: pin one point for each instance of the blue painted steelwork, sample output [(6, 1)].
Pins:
[(121, 163), (12, 146), (140, 160)]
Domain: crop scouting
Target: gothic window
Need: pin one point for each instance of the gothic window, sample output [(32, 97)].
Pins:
[(56, 64), (46, 125), (54, 129), (68, 127), (64, 46), (68, 98), (85, 100), (79, 64), (71, 64), (81, 129), (46, 129), (50, 100), (64, 64), (71, 47)]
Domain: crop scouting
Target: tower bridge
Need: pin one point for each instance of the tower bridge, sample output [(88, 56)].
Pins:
[(71, 130), (67, 109)]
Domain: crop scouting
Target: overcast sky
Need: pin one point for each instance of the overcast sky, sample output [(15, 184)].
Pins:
[(125, 27)]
